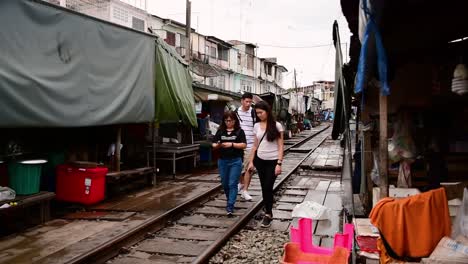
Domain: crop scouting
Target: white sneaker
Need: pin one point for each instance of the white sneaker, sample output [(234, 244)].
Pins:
[(246, 196), (239, 188)]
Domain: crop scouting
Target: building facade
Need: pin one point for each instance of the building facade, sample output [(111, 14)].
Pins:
[(322, 90), (227, 65)]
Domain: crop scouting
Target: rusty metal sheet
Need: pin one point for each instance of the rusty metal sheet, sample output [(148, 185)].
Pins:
[(237, 205), (291, 199), (173, 247), (200, 220), (208, 210), (285, 206), (191, 233), (282, 215)]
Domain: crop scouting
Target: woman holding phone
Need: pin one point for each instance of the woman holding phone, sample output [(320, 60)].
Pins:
[(231, 141)]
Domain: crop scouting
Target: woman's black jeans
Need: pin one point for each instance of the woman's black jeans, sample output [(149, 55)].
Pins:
[(266, 173)]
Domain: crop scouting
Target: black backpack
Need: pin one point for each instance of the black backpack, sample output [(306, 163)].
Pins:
[(252, 112)]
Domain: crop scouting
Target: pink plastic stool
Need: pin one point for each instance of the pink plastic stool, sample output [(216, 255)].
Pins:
[(303, 236)]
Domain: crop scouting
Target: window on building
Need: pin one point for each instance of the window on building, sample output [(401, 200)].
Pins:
[(250, 62), (239, 59), (170, 38), (223, 53), (213, 52), (246, 86), (269, 70), (183, 41), (221, 82), (211, 82), (120, 14), (138, 24)]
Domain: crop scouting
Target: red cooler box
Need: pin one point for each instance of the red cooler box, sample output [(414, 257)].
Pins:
[(80, 185)]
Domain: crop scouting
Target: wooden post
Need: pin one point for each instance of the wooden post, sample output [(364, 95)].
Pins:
[(367, 159), (155, 169), (117, 148), (383, 150)]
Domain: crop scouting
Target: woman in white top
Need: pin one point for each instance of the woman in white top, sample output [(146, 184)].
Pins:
[(267, 155)]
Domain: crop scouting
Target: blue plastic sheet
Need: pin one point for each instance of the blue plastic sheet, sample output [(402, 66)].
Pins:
[(372, 28)]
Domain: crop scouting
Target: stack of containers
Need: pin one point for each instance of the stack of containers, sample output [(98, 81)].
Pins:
[(80, 184)]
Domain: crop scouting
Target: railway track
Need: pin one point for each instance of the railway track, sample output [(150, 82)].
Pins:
[(194, 231)]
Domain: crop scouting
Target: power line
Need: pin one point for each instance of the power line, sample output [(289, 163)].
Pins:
[(298, 47)]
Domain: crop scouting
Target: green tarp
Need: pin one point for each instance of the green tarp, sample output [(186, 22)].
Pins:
[(173, 87), (60, 69)]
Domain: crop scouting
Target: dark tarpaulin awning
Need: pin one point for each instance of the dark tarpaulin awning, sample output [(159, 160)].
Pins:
[(61, 69), (342, 93), (174, 93)]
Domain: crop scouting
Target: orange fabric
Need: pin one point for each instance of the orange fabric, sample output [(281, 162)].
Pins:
[(384, 257), (293, 254), (413, 226)]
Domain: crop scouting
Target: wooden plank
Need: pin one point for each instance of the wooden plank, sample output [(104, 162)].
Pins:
[(302, 181), (331, 226), (126, 260), (279, 225), (173, 247), (192, 233), (200, 220), (316, 240), (295, 192), (383, 146), (100, 215), (315, 196), (208, 210), (237, 205), (291, 199), (285, 206), (139, 257), (282, 215), (333, 201), (326, 242), (323, 185)]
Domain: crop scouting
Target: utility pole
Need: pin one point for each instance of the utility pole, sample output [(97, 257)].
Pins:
[(188, 29), (297, 92)]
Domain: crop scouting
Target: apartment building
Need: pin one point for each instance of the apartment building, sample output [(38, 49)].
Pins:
[(227, 65)]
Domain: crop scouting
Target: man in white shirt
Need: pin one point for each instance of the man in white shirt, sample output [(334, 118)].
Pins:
[(247, 119)]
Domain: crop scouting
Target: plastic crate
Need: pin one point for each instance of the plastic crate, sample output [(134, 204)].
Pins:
[(80, 185), (25, 176)]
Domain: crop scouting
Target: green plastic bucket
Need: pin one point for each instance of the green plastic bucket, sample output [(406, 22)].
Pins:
[(25, 176)]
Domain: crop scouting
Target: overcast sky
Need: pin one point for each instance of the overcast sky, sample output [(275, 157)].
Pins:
[(270, 24)]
